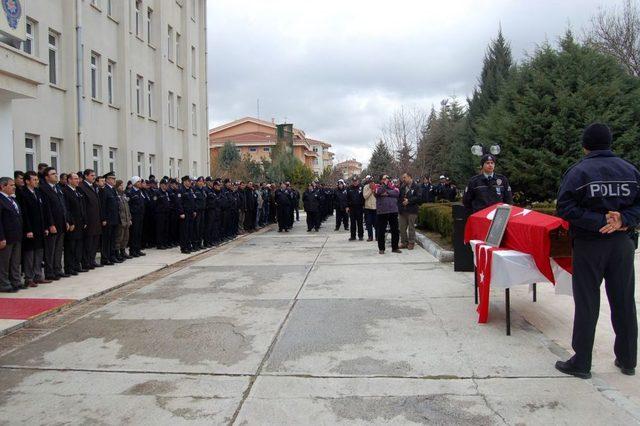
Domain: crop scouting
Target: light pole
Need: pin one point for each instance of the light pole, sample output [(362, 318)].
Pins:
[(480, 150)]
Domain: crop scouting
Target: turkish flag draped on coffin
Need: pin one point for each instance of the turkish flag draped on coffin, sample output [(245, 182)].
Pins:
[(527, 231)]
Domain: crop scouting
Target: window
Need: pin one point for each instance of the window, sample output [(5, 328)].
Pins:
[(138, 20), (97, 159), (31, 152), (179, 113), (111, 66), (29, 46), (172, 164), (170, 109), (95, 75), (267, 149), (139, 81), (140, 163), (194, 119), (253, 149), (150, 96), (149, 22), (170, 43), (178, 42), (55, 153), (54, 46), (194, 171), (152, 163), (179, 174), (112, 159), (193, 61)]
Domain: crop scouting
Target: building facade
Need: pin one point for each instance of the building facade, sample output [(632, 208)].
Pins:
[(349, 168), (256, 138), (124, 90)]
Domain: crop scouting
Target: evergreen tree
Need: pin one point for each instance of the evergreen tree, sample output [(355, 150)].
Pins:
[(543, 108), (381, 161), (229, 156)]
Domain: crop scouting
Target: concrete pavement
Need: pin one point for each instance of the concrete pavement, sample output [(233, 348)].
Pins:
[(308, 328)]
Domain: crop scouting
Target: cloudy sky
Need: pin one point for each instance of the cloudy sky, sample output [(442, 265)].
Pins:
[(339, 69)]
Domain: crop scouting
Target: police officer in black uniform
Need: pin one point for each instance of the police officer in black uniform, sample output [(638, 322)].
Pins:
[(209, 215), (283, 205), (137, 205), (355, 209), (340, 202), (174, 220), (187, 214), (201, 207), (600, 197), (162, 200), (486, 188)]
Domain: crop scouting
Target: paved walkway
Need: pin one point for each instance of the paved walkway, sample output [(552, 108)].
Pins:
[(300, 328)]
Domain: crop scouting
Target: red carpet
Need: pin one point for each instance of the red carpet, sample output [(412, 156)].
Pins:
[(27, 308)]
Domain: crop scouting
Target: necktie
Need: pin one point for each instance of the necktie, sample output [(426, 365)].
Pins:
[(15, 205)]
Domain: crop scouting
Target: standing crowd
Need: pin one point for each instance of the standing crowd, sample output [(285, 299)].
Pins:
[(53, 226)]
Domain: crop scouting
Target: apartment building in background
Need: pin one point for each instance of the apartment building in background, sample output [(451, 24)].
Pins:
[(256, 138), (349, 168), (113, 85)]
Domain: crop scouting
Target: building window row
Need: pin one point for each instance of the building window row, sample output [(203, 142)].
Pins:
[(32, 152), (95, 77), (139, 100)]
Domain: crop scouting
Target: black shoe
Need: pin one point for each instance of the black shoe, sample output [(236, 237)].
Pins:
[(134, 254), (361, 239), (83, 270), (51, 278), (337, 229), (567, 368), (141, 253), (97, 265), (624, 370), (106, 263), (308, 230), (352, 239), (72, 273), (396, 251), (8, 289), (64, 275), (185, 251), (115, 260)]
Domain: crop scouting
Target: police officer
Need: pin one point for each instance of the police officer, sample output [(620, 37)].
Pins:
[(283, 206), (340, 201), (162, 200), (209, 214), (187, 214), (137, 204), (355, 209), (600, 197), (486, 188), (174, 220), (201, 207)]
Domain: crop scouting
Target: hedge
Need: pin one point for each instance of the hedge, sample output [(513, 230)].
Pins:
[(436, 217)]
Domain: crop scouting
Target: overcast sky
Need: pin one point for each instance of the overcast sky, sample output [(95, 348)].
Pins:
[(339, 69)]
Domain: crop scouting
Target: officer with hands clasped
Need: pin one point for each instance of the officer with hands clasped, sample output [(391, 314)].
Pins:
[(600, 198), (486, 188)]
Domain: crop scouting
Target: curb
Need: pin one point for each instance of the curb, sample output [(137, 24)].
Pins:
[(444, 256), (30, 321)]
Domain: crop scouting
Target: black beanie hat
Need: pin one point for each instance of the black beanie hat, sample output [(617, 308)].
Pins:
[(487, 157), (596, 137)]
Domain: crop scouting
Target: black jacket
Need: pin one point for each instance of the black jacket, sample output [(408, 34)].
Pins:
[(201, 198), (10, 221), (311, 201), (282, 198), (109, 211), (54, 199), (162, 202), (35, 218), (340, 198), (413, 194), (186, 201), (482, 192), (77, 212), (137, 203), (92, 209), (355, 199)]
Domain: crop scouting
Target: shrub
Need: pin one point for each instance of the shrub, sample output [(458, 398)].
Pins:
[(436, 217)]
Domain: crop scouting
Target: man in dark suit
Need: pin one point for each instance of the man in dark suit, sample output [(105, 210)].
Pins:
[(137, 206), (91, 234), (36, 220), (10, 237), (54, 242), (77, 224), (110, 220)]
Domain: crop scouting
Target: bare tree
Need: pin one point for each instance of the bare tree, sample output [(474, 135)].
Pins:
[(402, 133), (617, 33)]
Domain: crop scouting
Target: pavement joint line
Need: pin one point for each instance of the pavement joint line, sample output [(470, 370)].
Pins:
[(258, 372), (32, 324), (486, 402)]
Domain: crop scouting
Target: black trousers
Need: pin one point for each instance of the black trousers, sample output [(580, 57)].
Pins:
[(162, 229), (342, 219), (381, 230), (283, 218), (73, 251), (313, 220), (198, 228), (209, 218), (370, 221), (174, 228), (135, 233), (612, 260), (356, 218), (108, 242), (89, 249), (186, 225)]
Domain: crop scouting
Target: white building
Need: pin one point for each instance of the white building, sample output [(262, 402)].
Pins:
[(108, 84), (324, 158)]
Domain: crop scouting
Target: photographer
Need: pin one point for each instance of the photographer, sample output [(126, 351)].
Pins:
[(387, 213)]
